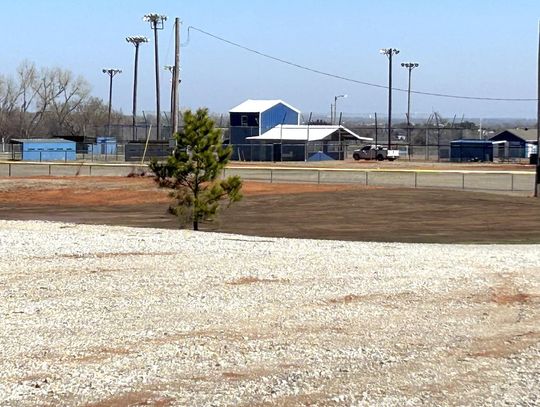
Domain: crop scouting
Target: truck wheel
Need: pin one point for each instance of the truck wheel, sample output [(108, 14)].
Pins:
[(356, 157), (380, 157)]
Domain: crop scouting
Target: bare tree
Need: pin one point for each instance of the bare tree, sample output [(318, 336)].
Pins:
[(9, 97), (51, 101), (27, 76)]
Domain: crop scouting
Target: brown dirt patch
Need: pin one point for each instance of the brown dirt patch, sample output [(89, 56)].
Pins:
[(341, 212), (347, 299), (502, 298), (502, 346), (234, 376), (255, 280), (134, 399)]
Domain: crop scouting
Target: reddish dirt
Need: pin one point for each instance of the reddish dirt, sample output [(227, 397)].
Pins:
[(403, 164), (343, 212)]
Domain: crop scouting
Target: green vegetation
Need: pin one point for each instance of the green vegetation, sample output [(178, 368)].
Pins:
[(194, 168)]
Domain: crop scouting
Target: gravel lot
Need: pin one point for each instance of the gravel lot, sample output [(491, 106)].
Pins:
[(101, 315)]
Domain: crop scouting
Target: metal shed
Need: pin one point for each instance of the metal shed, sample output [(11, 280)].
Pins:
[(466, 150), (103, 146), (518, 143), (43, 149), (300, 142)]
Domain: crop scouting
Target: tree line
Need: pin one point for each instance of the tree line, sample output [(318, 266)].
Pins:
[(47, 102)]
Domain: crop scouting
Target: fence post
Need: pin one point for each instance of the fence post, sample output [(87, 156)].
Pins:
[(367, 178), (9, 170), (318, 176), (462, 180), (49, 170), (271, 176), (512, 182), (415, 179)]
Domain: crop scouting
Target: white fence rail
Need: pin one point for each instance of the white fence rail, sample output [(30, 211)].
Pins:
[(517, 182)]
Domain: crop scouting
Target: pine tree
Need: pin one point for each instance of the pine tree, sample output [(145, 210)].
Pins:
[(194, 168)]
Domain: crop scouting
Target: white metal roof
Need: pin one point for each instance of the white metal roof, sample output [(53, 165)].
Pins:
[(257, 106), (40, 140), (291, 132)]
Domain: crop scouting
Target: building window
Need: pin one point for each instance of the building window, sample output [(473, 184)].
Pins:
[(243, 120)]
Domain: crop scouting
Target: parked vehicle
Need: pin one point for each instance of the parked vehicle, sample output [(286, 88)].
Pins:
[(373, 152)]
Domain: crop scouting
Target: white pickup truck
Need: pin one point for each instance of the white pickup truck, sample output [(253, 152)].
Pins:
[(373, 152)]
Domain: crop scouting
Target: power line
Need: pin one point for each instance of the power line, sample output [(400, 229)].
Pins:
[(344, 78)]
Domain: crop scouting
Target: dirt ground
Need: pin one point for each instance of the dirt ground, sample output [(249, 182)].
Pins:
[(343, 212)]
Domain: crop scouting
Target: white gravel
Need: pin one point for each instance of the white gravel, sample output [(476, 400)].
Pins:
[(126, 316)]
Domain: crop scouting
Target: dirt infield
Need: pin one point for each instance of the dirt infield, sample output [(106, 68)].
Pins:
[(344, 212)]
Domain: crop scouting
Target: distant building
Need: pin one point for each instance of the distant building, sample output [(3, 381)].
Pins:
[(54, 149), (515, 143), (270, 130), (255, 117), (103, 146), (470, 150)]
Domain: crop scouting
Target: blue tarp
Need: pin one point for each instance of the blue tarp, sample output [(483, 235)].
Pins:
[(319, 156)]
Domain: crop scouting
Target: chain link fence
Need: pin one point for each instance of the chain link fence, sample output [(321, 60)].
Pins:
[(431, 144)]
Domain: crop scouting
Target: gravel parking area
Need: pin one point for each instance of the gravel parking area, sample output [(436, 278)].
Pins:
[(106, 315)]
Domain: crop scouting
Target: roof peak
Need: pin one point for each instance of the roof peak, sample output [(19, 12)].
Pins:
[(259, 105)]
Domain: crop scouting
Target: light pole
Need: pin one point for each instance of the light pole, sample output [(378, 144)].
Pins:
[(389, 52), (410, 66), (156, 23), (335, 108), (136, 41), (111, 72)]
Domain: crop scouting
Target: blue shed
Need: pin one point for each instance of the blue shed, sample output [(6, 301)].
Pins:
[(466, 150), (103, 145), (255, 117), (44, 149), (518, 143)]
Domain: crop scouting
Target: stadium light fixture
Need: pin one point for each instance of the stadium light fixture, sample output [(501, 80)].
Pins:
[(136, 41)]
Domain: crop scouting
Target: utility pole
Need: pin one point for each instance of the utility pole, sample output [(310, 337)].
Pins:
[(156, 23), (136, 41), (409, 66), (335, 107), (111, 72), (376, 130), (176, 77), (170, 68), (537, 178), (339, 136), (389, 52), (307, 138)]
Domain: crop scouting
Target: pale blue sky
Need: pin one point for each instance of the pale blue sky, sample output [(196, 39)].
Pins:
[(476, 47)]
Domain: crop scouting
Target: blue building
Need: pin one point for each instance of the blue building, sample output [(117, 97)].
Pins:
[(515, 143), (255, 117), (466, 150), (55, 149), (103, 145)]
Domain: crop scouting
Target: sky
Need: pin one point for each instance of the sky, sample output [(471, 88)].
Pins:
[(480, 48)]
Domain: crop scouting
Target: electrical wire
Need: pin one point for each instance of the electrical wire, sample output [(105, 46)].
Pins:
[(344, 78)]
